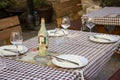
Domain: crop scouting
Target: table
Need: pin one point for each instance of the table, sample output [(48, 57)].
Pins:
[(107, 20), (106, 11), (79, 44)]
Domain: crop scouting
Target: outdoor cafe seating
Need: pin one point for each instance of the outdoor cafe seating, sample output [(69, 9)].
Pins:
[(94, 55), (84, 53)]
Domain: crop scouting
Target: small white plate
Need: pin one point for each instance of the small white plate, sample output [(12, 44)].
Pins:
[(103, 38), (75, 58), (60, 32), (12, 47)]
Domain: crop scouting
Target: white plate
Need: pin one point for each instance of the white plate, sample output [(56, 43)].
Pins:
[(22, 49), (79, 59), (102, 38), (60, 32)]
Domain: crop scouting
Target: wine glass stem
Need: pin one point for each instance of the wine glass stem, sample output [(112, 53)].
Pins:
[(66, 35), (17, 55), (90, 29)]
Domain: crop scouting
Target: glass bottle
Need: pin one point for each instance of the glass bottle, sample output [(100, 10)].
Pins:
[(42, 58), (42, 39)]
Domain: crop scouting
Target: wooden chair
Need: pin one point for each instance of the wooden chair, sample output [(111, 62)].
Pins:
[(7, 25), (67, 8)]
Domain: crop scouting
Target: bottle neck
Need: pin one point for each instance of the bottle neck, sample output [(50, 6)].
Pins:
[(43, 24)]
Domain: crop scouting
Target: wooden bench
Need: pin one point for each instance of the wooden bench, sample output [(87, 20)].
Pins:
[(7, 25)]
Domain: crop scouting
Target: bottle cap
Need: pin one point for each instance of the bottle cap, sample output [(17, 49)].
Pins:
[(42, 19)]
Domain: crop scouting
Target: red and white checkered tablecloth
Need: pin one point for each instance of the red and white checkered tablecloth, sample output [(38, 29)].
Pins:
[(79, 44)]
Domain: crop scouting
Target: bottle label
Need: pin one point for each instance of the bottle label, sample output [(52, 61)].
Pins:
[(41, 39), (43, 47)]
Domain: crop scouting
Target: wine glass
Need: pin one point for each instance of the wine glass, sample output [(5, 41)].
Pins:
[(58, 36), (16, 39), (65, 23), (90, 24)]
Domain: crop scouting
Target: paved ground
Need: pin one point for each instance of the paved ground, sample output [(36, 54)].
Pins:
[(112, 66)]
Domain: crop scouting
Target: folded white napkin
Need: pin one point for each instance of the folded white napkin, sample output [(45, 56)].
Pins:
[(55, 32), (106, 38), (13, 49)]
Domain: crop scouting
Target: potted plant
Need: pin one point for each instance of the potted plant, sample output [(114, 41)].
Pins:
[(105, 3), (44, 9), (3, 5), (16, 7)]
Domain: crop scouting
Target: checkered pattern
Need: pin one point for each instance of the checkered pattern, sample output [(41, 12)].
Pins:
[(113, 21), (107, 21), (16, 70), (79, 44), (118, 50)]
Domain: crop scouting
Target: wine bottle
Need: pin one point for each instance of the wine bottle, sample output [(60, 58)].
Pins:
[(42, 40)]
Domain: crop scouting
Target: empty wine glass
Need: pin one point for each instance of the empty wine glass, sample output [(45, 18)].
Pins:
[(16, 39), (90, 24), (59, 33), (65, 24)]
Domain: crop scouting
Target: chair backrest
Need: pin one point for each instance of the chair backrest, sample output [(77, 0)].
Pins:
[(67, 8), (7, 25)]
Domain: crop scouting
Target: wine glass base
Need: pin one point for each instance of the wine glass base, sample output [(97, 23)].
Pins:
[(42, 60)]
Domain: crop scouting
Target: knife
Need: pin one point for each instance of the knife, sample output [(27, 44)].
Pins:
[(97, 37), (61, 59), (10, 50)]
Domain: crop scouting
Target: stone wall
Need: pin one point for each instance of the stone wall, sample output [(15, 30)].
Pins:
[(85, 4), (90, 4)]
